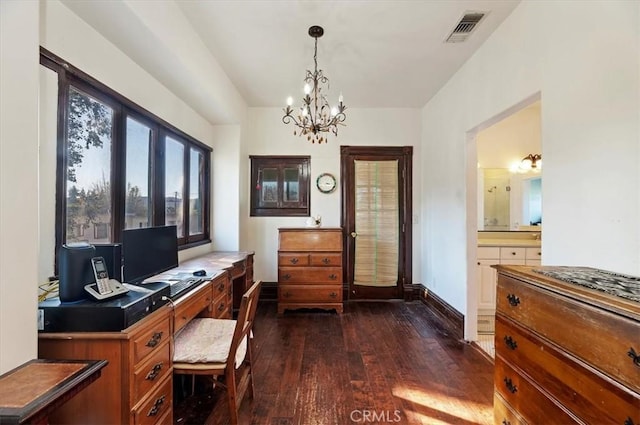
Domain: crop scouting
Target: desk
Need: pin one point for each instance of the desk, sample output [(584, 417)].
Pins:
[(31, 391), (137, 385)]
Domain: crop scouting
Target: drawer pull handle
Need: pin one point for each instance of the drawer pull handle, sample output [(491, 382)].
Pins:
[(333, 295), (333, 276), (287, 294), (510, 343), (325, 260), (505, 422), (513, 253), (221, 307), (635, 356), (154, 372), (155, 339), (294, 260), (510, 385), (286, 276), (628, 421), (156, 407), (221, 287), (513, 300)]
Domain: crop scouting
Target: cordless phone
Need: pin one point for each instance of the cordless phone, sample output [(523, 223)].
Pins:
[(104, 288), (102, 277)]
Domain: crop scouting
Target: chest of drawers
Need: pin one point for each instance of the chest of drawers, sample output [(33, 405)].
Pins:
[(310, 268), (564, 353)]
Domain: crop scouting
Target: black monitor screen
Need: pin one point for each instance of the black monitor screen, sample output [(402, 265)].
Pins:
[(148, 251)]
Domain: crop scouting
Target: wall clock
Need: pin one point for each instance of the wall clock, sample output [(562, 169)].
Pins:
[(326, 183)]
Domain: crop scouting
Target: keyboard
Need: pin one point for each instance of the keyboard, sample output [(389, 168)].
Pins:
[(179, 288)]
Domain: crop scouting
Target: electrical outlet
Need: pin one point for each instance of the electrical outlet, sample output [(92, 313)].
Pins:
[(40, 319)]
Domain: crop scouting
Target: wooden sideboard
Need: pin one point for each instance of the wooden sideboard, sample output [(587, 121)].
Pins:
[(565, 353), (136, 386), (310, 268)]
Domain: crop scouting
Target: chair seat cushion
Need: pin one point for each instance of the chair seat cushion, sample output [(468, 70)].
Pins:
[(206, 340)]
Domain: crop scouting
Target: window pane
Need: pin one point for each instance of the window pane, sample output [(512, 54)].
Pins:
[(88, 173), (195, 196), (138, 203), (269, 186), (174, 184), (290, 185)]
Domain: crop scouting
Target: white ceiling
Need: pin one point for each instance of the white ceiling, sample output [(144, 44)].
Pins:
[(377, 53)]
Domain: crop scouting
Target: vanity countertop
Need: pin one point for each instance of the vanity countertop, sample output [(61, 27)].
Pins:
[(529, 243)]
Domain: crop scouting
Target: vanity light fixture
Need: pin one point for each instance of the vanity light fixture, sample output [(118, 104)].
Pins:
[(531, 162), (316, 116)]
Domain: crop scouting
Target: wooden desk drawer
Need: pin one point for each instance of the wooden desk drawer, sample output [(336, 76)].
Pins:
[(221, 288), (293, 259), (593, 335), (150, 337), (314, 294), (154, 408), (189, 308), (518, 392), (596, 399), (153, 370), (327, 259), (221, 304), (503, 414), (310, 275)]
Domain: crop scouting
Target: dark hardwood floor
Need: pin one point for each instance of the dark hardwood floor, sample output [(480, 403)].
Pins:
[(378, 363)]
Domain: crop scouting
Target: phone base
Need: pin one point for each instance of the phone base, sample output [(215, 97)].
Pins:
[(117, 289)]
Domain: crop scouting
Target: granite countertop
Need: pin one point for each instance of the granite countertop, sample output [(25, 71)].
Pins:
[(529, 243)]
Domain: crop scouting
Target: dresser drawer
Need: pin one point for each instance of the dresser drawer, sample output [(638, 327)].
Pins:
[(220, 305), (594, 335), (149, 338), (326, 259), (310, 275), (519, 393), (512, 253), (533, 253), (503, 414), (221, 288), (152, 371), (190, 306), (307, 294), (310, 240), (489, 253), (590, 396), (156, 406), (293, 259)]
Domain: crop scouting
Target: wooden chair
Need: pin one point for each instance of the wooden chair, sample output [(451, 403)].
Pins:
[(221, 348)]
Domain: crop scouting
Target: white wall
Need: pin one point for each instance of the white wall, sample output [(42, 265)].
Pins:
[(267, 135), (18, 181), (588, 76)]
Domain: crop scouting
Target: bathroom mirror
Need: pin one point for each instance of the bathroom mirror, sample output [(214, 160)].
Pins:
[(509, 201)]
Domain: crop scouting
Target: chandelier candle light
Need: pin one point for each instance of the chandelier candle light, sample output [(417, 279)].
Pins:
[(315, 117)]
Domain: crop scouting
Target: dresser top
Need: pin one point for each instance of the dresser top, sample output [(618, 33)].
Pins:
[(612, 291)]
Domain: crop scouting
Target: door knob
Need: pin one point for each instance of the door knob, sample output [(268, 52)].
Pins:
[(354, 234)]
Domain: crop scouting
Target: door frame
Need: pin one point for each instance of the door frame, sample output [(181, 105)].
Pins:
[(404, 155)]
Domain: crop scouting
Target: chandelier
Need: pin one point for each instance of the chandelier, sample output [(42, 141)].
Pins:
[(316, 116)]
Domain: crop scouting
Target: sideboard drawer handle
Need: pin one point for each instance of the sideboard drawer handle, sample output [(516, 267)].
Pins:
[(634, 356), (510, 343), (333, 276), (325, 260), (510, 385), (513, 299), (154, 372), (286, 276), (628, 421), (333, 295), (294, 260), (513, 253), (156, 407), (505, 422), (221, 287), (221, 307), (287, 294), (155, 339)]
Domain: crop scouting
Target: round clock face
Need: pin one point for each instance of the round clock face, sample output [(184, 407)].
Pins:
[(326, 183)]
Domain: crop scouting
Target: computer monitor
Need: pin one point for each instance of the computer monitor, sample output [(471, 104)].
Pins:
[(148, 251)]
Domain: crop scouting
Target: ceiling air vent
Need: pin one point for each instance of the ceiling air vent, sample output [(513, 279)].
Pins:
[(465, 27)]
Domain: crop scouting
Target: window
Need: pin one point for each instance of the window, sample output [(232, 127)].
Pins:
[(280, 185), (121, 167)]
